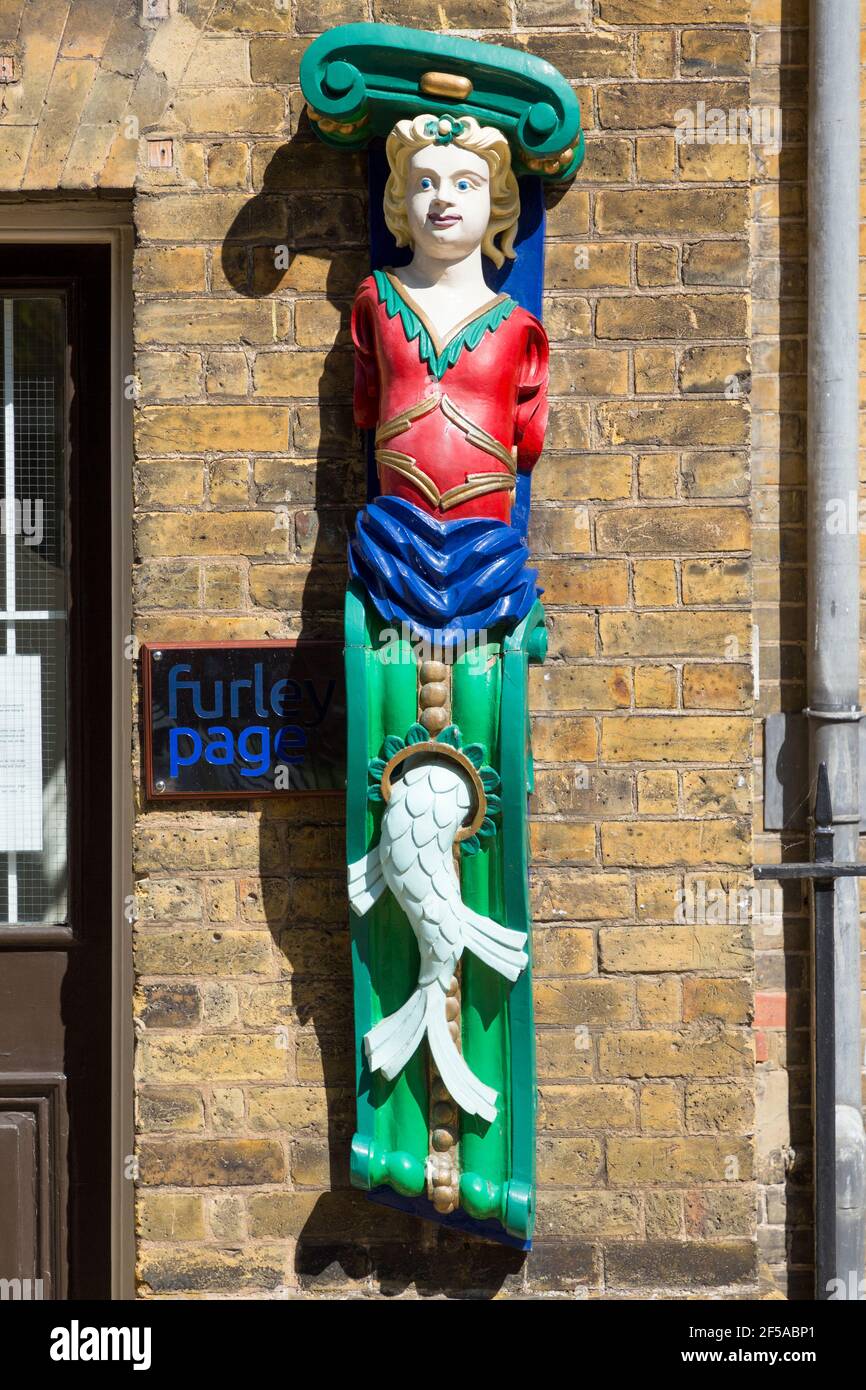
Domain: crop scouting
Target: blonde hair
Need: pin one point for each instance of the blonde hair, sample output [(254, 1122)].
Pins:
[(486, 141)]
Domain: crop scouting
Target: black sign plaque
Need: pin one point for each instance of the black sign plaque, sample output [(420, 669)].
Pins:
[(243, 719)]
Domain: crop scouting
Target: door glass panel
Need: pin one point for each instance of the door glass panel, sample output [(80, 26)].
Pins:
[(33, 628)]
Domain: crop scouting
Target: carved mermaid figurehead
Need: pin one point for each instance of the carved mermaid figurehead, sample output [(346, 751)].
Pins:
[(451, 388)]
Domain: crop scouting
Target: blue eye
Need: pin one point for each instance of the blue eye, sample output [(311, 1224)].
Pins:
[(426, 183), (463, 185)]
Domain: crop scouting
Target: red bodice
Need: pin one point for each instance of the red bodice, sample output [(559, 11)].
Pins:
[(452, 444)]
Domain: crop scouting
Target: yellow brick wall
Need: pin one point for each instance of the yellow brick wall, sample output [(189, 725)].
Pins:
[(247, 474)]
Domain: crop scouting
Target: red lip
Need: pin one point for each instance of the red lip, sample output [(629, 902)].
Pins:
[(444, 220)]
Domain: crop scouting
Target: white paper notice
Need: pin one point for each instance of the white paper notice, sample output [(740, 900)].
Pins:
[(20, 753)]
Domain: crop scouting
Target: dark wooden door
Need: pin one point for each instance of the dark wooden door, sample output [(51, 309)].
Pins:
[(55, 771)]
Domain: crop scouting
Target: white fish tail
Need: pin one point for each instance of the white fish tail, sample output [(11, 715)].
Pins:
[(499, 947), (393, 1041), (366, 882), (462, 1084)]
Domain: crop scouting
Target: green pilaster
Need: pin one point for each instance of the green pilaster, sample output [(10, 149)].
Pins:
[(526, 646), (490, 706)]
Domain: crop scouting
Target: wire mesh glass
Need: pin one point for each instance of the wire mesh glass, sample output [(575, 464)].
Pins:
[(33, 633)]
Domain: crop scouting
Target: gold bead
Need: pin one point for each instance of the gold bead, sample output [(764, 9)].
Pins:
[(433, 693), (443, 1200), (433, 671), (434, 720)]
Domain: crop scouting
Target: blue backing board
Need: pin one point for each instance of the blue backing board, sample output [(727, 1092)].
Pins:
[(522, 278), (456, 1220)]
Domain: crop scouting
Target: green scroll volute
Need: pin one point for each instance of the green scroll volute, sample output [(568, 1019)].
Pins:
[(359, 79)]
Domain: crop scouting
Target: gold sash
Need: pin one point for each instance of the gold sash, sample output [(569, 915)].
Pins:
[(476, 484)]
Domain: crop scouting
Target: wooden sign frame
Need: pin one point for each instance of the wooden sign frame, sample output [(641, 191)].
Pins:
[(146, 653)]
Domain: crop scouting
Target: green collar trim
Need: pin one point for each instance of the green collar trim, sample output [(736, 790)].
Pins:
[(469, 336)]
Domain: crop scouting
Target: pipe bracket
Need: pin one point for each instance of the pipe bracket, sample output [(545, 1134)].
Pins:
[(787, 783), (836, 716)]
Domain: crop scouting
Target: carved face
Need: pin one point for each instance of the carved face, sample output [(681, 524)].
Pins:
[(447, 200)]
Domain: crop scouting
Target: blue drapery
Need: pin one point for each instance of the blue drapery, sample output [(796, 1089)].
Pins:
[(445, 579)]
